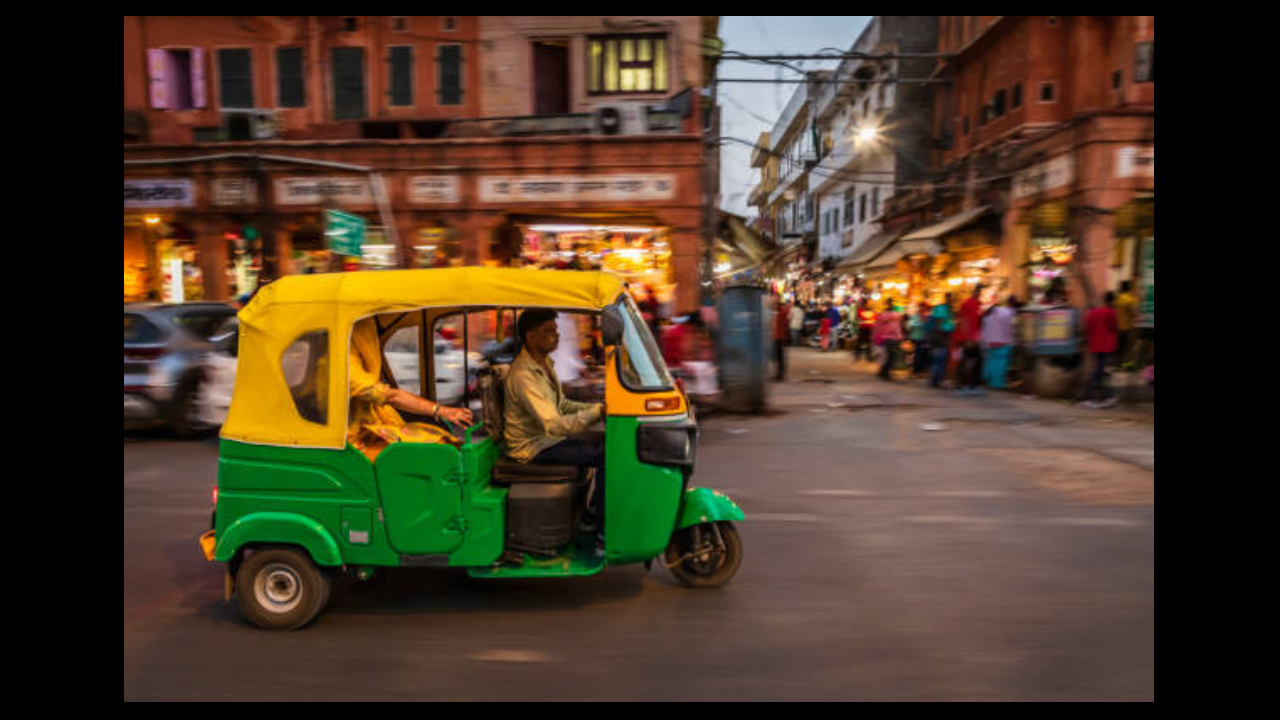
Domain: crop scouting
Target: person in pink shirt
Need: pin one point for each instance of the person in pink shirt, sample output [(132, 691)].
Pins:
[(1102, 334), (889, 333)]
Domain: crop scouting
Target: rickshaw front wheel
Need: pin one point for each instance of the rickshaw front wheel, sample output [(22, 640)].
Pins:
[(705, 556), (281, 589)]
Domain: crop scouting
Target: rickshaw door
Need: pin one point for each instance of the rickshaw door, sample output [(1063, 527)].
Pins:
[(421, 487)]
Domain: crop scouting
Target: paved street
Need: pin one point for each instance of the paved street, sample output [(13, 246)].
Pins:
[(1006, 554)]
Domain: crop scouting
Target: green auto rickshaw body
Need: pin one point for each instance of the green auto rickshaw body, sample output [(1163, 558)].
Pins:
[(426, 504)]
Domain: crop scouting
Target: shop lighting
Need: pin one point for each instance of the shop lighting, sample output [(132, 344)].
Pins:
[(953, 282), (377, 247), (875, 296), (424, 247), (152, 220), (590, 228)]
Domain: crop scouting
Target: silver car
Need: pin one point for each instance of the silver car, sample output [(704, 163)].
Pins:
[(165, 347)]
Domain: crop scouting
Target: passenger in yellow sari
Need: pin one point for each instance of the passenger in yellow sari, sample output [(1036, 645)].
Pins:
[(373, 422)]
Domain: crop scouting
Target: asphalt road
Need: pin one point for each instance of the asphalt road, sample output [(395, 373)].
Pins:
[(1007, 554)]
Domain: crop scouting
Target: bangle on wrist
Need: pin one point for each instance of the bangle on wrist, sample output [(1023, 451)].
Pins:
[(436, 414)]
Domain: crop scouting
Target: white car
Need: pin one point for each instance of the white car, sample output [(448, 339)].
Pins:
[(219, 368)]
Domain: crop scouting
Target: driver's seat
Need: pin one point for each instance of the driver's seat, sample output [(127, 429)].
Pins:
[(493, 383)]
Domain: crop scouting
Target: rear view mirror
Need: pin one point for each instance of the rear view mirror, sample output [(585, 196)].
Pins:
[(611, 325)]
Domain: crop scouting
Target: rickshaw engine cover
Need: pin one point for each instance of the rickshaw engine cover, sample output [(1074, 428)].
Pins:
[(540, 517)]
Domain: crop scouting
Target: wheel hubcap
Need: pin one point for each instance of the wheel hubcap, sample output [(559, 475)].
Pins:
[(278, 588)]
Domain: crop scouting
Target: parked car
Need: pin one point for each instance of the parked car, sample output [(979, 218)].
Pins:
[(165, 352), (219, 371)]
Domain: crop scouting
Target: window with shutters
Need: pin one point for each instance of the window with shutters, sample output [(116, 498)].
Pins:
[(618, 64), (290, 78), (848, 207), (449, 61), (862, 207), (235, 78), (401, 62), (1144, 62), (348, 84), (176, 77)]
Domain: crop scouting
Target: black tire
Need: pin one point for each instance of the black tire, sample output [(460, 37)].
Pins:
[(281, 589), (714, 573)]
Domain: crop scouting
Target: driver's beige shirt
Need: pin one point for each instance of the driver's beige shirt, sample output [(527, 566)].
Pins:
[(536, 414)]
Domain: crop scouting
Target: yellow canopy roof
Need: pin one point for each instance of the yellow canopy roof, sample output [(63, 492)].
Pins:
[(324, 308)]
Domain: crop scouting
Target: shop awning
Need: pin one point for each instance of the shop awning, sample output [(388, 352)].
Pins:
[(901, 249), (869, 250), (948, 226), (747, 240), (746, 248)]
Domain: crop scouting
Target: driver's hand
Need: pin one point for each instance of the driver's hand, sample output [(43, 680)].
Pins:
[(457, 416)]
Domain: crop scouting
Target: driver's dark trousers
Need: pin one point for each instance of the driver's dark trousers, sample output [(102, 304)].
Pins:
[(584, 450)]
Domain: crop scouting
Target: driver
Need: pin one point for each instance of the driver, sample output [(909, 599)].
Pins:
[(542, 425)]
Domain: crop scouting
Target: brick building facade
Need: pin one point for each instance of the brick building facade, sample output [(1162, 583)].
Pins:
[(460, 140)]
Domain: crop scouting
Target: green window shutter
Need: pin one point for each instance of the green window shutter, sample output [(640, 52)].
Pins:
[(449, 61), (348, 84), (290, 78), (401, 61), (235, 73)]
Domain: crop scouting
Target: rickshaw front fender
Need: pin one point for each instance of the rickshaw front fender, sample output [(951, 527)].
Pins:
[(276, 528), (703, 505)]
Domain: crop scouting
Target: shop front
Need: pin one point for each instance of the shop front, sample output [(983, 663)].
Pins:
[(639, 252), (954, 257)]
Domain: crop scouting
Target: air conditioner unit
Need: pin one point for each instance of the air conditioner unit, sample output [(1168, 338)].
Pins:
[(620, 119), (250, 124)]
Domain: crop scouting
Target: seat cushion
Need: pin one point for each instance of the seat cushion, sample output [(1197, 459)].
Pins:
[(507, 472)]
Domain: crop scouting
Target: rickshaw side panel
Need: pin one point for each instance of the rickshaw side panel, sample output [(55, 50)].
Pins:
[(334, 489), (641, 500), (483, 505), (421, 487)]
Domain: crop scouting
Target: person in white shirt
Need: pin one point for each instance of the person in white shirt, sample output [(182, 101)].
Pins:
[(797, 322), (997, 340)]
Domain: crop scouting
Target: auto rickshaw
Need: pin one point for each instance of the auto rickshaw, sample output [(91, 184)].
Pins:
[(297, 504)]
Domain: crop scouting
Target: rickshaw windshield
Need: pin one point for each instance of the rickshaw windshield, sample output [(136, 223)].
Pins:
[(640, 365)]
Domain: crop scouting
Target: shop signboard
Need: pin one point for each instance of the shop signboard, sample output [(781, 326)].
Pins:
[(345, 191), (159, 193), (1147, 286), (1055, 173), (1133, 161), (344, 233), (1056, 332), (235, 191), (576, 188), (434, 190)]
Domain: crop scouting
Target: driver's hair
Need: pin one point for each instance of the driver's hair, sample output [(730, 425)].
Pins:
[(530, 319)]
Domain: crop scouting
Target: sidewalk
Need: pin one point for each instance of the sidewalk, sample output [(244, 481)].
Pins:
[(834, 378)]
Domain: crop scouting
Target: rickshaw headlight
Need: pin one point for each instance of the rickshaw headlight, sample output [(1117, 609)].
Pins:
[(664, 444)]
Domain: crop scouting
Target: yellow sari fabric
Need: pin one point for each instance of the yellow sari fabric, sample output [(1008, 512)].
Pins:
[(373, 423)]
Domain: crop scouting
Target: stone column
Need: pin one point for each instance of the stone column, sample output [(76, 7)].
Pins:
[(214, 258)]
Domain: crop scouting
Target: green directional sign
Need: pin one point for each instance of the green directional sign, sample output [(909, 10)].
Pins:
[(343, 232)]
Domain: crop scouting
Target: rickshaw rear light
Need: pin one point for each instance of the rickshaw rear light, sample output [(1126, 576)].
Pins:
[(656, 404), (215, 496)]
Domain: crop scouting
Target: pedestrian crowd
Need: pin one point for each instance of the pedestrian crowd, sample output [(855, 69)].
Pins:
[(977, 346)]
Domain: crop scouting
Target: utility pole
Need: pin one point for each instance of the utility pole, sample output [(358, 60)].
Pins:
[(711, 143), (267, 232)]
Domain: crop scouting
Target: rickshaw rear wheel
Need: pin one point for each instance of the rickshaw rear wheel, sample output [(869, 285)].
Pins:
[(710, 569), (281, 589)]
